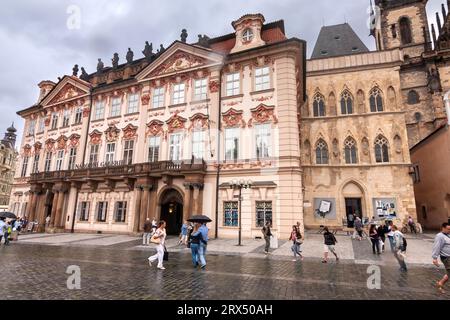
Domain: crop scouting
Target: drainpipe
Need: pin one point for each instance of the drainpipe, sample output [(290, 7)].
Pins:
[(72, 230), (219, 125), (447, 106)]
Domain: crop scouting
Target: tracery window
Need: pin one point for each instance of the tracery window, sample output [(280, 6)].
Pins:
[(351, 155), (376, 100), (321, 152), (319, 105), (381, 150), (346, 102)]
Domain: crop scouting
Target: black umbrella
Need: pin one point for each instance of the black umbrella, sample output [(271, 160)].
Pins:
[(8, 215), (200, 219)]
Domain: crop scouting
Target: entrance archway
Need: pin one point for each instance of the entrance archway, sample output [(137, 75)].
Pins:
[(172, 211), (354, 202)]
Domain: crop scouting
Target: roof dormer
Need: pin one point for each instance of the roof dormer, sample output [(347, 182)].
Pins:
[(248, 32)]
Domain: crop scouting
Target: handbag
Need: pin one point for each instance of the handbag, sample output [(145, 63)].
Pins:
[(166, 255), (155, 240)]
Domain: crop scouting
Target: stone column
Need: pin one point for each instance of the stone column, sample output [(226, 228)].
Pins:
[(187, 212), (151, 212), (198, 199), (144, 206), (54, 205), (59, 209), (137, 208), (30, 213)]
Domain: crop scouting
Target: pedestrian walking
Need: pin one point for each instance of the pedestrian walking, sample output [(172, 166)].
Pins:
[(375, 239), (390, 235), (267, 234), (203, 245), (382, 231), (2, 228), (399, 248), (47, 221), (359, 228), (159, 238), (297, 240), (441, 249), (147, 232), (154, 225), (184, 233), (8, 231), (194, 241), (329, 245), (412, 225)]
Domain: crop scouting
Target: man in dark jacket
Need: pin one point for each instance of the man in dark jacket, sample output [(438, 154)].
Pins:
[(329, 245), (147, 232), (267, 234)]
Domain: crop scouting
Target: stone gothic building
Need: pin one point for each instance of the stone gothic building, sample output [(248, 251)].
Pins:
[(8, 157), (164, 136)]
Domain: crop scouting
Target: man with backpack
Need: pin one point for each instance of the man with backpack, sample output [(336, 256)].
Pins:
[(441, 249), (329, 245), (400, 245), (267, 234)]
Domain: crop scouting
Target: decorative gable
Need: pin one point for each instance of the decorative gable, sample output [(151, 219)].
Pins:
[(129, 132), (112, 134), (176, 123), (70, 88), (263, 114), (155, 128)]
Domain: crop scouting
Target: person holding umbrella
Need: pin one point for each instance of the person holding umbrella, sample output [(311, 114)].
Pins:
[(203, 230), (2, 229)]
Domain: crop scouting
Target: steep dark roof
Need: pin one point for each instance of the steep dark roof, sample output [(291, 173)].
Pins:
[(390, 4), (338, 40)]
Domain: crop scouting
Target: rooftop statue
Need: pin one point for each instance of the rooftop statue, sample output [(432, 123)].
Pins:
[(84, 76), (148, 50), (130, 55), (115, 60), (184, 35), (100, 65), (75, 71)]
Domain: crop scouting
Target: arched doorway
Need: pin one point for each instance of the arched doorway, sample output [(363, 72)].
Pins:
[(172, 211), (354, 201)]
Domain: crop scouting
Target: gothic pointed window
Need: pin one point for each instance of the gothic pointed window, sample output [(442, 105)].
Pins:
[(351, 155), (346, 102), (376, 100), (321, 152), (319, 105), (405, 31), (381, 150)]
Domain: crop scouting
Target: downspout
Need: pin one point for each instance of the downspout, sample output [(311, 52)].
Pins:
[(219, 122), (72, 230)]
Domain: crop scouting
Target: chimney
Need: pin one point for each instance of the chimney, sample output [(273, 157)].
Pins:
[(46, 86)]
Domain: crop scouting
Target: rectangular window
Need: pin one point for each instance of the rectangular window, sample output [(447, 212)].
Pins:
[(128, 152), (93, 154), (99, 110), (198, 144), (24, 166), (84, 211), (231, 144), (110, 152), (66, 118), (263, 213), (41, 125), (231, 214), (116, 107), (175, 147), (72, 158), (31, 127), (262, 78), (48, 161), (178, 93), (54, 121), (263, 141), (120, 211), (102, 211), (78, 115), (416, 175), (153, 149), (200, 89), (59, 160), (133, 103), (233, 84), (158, 97), (36, 163)]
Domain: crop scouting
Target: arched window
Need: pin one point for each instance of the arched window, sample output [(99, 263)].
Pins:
[(346, 102), (321, 152), (381, 150), (319, 105), (405, 30), (413, 97), (376, 100), (351, 155)]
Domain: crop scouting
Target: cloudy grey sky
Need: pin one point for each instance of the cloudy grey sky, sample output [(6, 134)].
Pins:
[(37, 44)]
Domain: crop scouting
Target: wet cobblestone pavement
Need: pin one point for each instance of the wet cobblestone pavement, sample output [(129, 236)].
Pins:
[(39, 272)]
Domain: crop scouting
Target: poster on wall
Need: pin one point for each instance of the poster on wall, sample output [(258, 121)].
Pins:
[(385, 208), (325, 208)]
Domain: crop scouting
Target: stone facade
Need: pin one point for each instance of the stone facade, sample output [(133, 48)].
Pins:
[(8, 157)]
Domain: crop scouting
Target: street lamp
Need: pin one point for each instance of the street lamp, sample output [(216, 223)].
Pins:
[(239, 185)]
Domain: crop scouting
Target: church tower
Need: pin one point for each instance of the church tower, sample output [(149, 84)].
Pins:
[(401, 24), (10, 137)]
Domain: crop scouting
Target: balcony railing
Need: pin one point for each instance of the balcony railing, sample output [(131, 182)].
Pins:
[(121, 170)]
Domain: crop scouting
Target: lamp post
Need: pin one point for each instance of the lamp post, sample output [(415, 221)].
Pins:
[(239, 185)]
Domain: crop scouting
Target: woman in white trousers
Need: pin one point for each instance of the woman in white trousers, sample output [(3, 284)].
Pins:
[(160, 234)]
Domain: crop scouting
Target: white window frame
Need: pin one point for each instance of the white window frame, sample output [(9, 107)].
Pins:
[(263, 133), (198, 144), (158, 97), (36, 163), (247, 35), (233, 84), (262, 78), (48, 162), (103, 206), (41, 125), (59, 160), (55, 119), (93, 153), (120, 207), (31, 127), (154, 146), (133, 103), (78, 115), (201, 89), (110, 152), (99, 110), (84, 208), (24, 170), (175, 148), (178, 95), (231, 134), (72, 158), (66, 118), (128, 152), (116, 107)]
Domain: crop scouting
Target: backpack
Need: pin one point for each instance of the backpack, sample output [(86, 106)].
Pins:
[(404, 246)]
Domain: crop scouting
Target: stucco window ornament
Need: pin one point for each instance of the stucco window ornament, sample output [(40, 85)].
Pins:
[(27, 150), (50, 145), (112, 134), (176, 123), (263, 114), (37, 147), (233, 118), (62, 143), (96, 137), (155, 128), (74, 140), (198, 122), (129, 132)]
